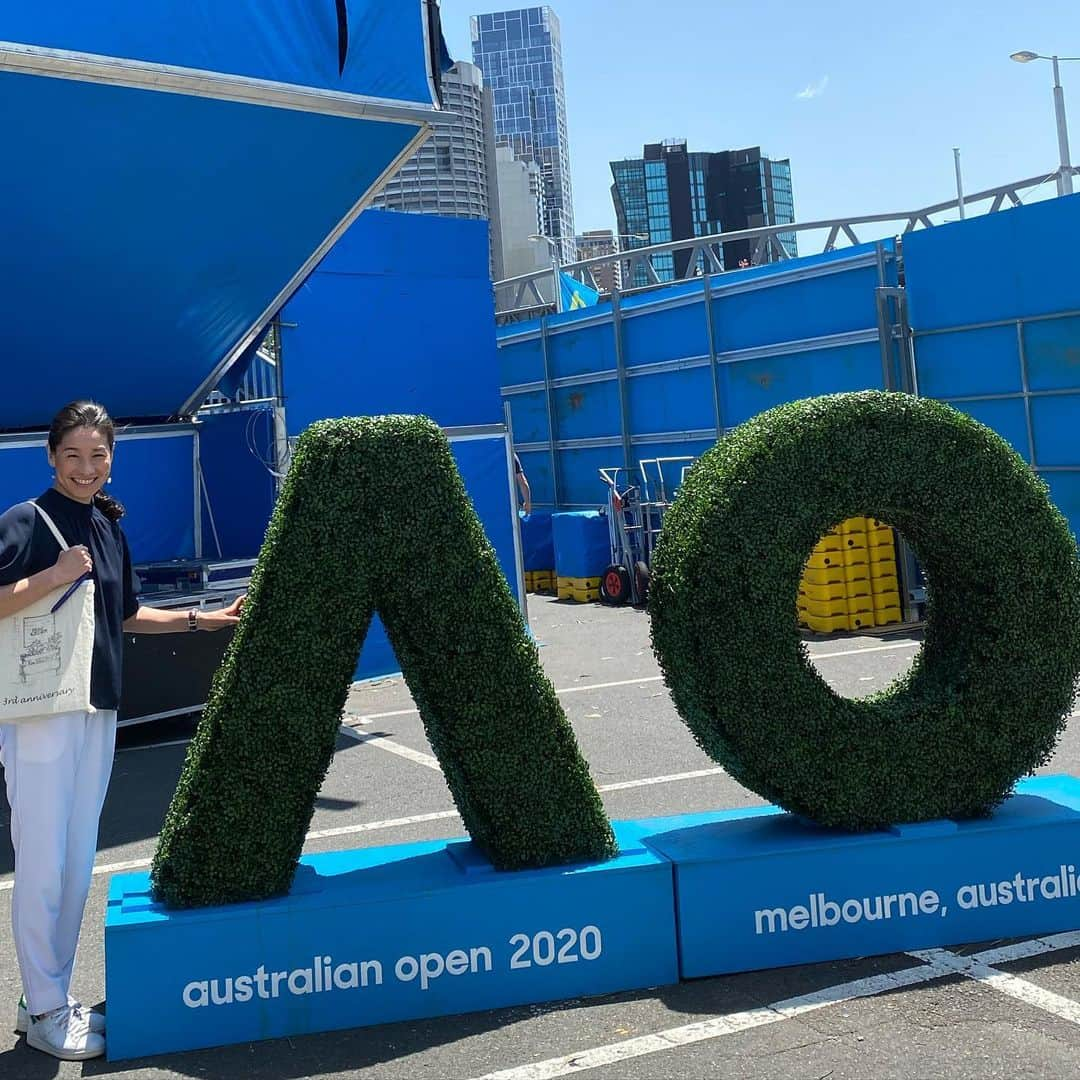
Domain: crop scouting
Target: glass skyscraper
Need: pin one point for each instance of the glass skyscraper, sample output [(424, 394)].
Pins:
[(520, 54), (671, 194)]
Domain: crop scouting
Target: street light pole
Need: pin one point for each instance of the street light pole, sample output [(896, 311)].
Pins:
[(1065, 183), (1064, 176)]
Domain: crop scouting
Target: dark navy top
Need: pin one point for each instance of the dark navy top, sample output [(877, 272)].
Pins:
[(27, 547)]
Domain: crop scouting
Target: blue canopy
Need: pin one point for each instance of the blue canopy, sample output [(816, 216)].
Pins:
[(389, 46), (174, 169)]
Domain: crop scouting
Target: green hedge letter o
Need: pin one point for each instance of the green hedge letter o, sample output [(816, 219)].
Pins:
[(985, 700)]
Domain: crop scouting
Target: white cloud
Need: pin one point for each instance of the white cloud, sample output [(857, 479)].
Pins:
[(814, 89)]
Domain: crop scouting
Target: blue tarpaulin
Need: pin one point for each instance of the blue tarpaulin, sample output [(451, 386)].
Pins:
[(150, 228), (389, 42), (397, 318)]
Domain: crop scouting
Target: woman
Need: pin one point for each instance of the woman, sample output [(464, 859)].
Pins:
[(57, 767)]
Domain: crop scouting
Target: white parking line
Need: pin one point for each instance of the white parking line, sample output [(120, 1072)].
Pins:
[(392, 747), (939, 963), (625, 785), (6, 884), (367, 718), (1015, 987), (717, 1026)]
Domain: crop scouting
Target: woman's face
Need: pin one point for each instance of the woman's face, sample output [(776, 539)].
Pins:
[(82, 462)]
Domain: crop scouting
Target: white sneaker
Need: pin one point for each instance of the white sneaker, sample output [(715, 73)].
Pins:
[(65, 1034), (95, 1019)]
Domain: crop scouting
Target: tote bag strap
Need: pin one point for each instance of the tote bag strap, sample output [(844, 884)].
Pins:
[(52, 526)]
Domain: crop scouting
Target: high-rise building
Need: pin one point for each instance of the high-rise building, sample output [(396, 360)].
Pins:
[(520, 54), (453, 173), (521, 216), (596, 242), (671, 194)]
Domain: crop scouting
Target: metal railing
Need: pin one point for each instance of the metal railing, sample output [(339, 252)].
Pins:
[(519, 297)]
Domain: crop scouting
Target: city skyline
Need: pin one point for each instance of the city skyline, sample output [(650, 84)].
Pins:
[(865, 136)]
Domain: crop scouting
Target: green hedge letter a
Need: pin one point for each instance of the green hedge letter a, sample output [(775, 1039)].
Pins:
[(373, 517)]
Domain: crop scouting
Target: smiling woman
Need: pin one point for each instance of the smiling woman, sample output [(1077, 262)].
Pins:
[(57, 766)]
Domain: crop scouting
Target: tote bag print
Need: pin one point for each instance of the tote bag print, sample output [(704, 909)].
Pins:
[(45, 656)]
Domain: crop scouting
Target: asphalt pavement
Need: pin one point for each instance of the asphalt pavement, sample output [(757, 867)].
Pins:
[(891, 1016)]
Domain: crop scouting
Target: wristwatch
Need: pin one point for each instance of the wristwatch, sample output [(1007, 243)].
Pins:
[(193, 619)]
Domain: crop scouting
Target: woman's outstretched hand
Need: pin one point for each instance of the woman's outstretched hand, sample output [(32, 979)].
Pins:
[(227, 616)]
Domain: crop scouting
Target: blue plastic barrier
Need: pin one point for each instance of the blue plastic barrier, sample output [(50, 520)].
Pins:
[(582, 544), (538, 541)]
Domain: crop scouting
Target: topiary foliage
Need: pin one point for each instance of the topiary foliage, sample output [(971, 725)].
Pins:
[(373, 517), (985, 700)]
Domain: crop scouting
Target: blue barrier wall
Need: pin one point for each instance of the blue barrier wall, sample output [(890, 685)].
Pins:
[(995, 314), (989, 321), (662, 373)]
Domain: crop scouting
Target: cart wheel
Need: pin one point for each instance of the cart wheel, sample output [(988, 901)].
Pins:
[(615, 584), (641, 580)]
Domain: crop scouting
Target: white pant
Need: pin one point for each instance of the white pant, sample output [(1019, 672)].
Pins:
[(57, 770)]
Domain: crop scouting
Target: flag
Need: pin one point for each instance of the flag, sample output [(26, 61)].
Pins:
[(576, 295)]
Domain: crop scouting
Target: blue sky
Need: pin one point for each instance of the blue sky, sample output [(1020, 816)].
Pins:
[(867, 100)]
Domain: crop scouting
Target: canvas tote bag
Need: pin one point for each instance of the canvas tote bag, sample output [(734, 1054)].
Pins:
[(45, 656)]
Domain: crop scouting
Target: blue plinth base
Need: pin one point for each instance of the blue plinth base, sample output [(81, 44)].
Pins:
[(421, 930), (759, 889), (383, 934)]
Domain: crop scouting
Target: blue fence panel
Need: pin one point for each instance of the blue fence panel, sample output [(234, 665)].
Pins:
[(751, 386), (967, 362), (1006, 416), (1016, 271), (679, 331), (537, 467), (834, 302), (1065, 491), (1054, 422), (1007, 265), (665, 346), (587, 411), (578, 350), (579, 468), (528, 416), (1052, 348), (672, 401), (521, 360)]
